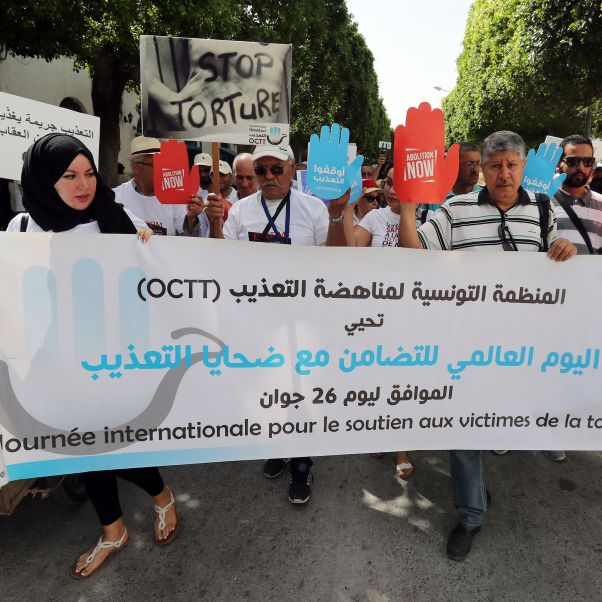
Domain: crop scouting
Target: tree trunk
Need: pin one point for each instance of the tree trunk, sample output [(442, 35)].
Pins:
[(108, 84)]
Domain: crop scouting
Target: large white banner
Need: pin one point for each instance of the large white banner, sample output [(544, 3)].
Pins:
[(23, 121), (118, 354), (215, 90)]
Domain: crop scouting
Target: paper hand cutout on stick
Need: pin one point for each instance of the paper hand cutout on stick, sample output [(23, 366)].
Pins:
[(174, 182), (328, 173), (423, 173), (539, 171)]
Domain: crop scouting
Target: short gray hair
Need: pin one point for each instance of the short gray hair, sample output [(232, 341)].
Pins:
[(504, 141), (242, 156)]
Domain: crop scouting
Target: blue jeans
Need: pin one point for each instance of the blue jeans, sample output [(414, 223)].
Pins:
[(470, 497)]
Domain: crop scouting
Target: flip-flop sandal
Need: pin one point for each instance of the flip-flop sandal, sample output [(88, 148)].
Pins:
[(404, 470), (101, 545), (161, 512)]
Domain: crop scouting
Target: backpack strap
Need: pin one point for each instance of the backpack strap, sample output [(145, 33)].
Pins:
[(559, 198), (543, 204), (24, 222)]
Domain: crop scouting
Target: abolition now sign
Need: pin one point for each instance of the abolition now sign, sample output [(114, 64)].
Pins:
[(215, 90), (118, 354)]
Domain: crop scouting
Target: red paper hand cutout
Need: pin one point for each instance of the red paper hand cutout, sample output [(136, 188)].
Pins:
[(423, 173), (174, 183)]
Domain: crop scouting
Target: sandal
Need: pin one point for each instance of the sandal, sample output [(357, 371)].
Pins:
[(403, 470), (161, 512), (101, 545)]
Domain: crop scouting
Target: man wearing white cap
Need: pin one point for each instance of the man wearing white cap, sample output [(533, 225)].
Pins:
[(205, 163), (138, 195), (280, 214), (225, 182)]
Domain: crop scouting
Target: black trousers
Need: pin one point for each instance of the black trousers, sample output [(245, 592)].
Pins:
[(102, 489)]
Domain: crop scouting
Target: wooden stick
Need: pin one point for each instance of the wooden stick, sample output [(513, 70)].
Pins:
[(215, 176)]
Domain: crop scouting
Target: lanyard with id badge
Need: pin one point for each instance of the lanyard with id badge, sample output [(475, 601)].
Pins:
[(274, 237)]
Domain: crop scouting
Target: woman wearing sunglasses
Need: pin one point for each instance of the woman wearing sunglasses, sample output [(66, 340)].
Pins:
[(378, 227)]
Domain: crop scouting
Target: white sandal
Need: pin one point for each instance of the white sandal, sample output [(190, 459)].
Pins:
[(101, 545), (161, 512)]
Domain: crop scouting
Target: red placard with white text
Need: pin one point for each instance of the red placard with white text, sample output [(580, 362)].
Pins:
[(424, 173), (174, 181)]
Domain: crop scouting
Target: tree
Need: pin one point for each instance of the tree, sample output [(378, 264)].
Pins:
[(103, 38), (333, 74), (529, 66)]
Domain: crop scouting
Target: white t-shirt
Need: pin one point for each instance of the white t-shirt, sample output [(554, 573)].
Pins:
[(308, 222), (383, 224), (162, 219), (233, 196), (87, 228)]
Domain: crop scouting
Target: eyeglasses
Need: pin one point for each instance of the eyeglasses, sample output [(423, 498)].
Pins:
[(470, 164), (275, 170), (505, 236), (574, 161), (145, 164), (371, 199)]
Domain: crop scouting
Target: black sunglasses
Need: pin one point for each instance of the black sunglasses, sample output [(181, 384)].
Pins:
[(275, 170), (574, 161), (505, 236)]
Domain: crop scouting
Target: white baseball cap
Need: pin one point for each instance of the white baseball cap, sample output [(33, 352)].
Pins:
[(278, 152), (203, 159)]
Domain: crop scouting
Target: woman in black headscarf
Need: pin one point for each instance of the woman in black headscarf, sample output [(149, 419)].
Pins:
[(63, 192)]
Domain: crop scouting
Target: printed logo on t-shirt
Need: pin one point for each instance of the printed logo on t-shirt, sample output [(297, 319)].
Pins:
[(157, 228), (391, 234)]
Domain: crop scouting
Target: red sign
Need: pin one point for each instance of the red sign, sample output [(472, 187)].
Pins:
[(174, 182), (424, 173)]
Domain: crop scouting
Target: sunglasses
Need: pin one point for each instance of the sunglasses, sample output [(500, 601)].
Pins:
[(371, 199), (505, 236), (574, 161), (275, 170)]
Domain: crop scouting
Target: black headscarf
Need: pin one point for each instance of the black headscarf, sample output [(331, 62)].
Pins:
[(44, 163)]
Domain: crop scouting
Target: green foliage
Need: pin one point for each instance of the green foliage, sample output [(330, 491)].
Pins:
[(333, 75), (527, 65)]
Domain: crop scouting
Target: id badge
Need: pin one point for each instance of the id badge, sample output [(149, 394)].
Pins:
[(271, 238)]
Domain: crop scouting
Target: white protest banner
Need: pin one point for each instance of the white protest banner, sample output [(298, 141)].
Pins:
[(215, 90), (116, 354), (384, 144), (23, 121)]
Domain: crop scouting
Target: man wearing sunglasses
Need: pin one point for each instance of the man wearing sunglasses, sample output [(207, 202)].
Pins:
[(503, 217), (280, 214), (138, 195), (578, 209)]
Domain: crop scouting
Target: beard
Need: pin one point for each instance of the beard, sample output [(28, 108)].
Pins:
[(575, 180), (206, 181)]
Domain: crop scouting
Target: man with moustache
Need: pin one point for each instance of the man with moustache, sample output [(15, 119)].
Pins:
[(578, 208), (280, 214)]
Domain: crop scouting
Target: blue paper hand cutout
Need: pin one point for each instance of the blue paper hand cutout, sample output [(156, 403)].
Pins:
[(539, 171), (356, 186), (328, 174)]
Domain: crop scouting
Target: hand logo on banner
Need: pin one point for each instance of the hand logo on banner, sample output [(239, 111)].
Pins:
[(328, 173), (174, 182), (423, 172), (539, 171)]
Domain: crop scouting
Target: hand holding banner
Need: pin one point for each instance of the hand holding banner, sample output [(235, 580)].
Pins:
[(328, 173), (423, 173), (539, 171), (174, 182)]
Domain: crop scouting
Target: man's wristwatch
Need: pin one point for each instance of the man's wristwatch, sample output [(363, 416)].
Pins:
[(336, 220)]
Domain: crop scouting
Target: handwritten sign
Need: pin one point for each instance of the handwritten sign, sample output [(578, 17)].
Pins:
[(424, 173), (314, 354), (215, 90), (23, 121), (329, 175)]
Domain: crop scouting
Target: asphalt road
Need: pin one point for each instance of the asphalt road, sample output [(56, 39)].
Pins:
[(364, 535)]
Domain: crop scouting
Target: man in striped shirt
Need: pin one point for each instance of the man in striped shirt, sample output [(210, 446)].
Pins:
[(501, 217), (577, 163)]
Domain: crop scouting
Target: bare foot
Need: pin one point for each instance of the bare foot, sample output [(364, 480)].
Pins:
[(164, 507), (114, 538)]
